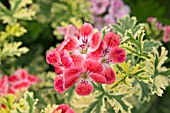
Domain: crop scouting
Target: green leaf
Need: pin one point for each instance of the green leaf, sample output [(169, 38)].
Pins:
[(149, 44), (95, 105), (12, 49), (31, 103), (165, 73), (18, 10), (145, 91)]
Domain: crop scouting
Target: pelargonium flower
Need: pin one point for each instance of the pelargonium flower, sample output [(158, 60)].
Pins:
[(99, 6), (154, 20), (85, 58), (3, 86), (21, 79), (106, 12), (166, 36), (63, 108)]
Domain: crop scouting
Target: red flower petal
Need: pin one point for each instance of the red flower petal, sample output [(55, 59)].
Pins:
[(109, 75), (97, 55), (95, 42), (117, 55), (72, 44), (59, 68), (3, 85), (11, 90), (97, 78), (112, 39), (52, 57), (66, 59), (13, 78), (59, 84), (62, 45), (72, 75), (32, 79), (86, 30), (71, 31), (93, 66), (78, 59), (22, 85), (62, 107), (84, 88)]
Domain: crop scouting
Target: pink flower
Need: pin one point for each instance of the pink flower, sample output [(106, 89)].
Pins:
[(99, 6), (155, 21), (151, 19), (4, 86), (166, 37), (63, 108), (106, 12), (21, 79), (85, 58), (89, 71)]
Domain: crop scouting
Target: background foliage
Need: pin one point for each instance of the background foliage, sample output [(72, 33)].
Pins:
[(28, 28)]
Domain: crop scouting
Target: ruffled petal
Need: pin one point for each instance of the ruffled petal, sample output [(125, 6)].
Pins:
[(72, 75), (71, 31), (78, 59), (13, 78), (62, 45), (32, 79), (84, 87), (3, 85), (109, 75), (59, 84), (59, 68), (72, 45), (117, 55), (112, 39), (62, 107), (52, 57), (97, 55), (92, 66), (95, 42), (20, 85), (97, 78), (66, 59), (86, 32)]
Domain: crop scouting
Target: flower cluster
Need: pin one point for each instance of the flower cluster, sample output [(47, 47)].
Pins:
[(63, 108), (20, 79), (83, 57), (108, 11), (165, 29)]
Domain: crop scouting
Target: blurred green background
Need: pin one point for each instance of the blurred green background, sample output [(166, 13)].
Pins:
[(40, 38)]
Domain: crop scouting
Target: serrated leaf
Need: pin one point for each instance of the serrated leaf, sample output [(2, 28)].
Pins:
[(160, 84), (149, 44), (18, 10), (144, 91), (119, 104), (165, 73), (12, 49)]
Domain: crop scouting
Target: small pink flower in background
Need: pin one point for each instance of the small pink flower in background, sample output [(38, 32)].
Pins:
[(85, 58), (106, 12), (166, 36), (3, 86), (63, 108), (20, 79), (152, 19), (156, 22), (99, 6), (118, 9)]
